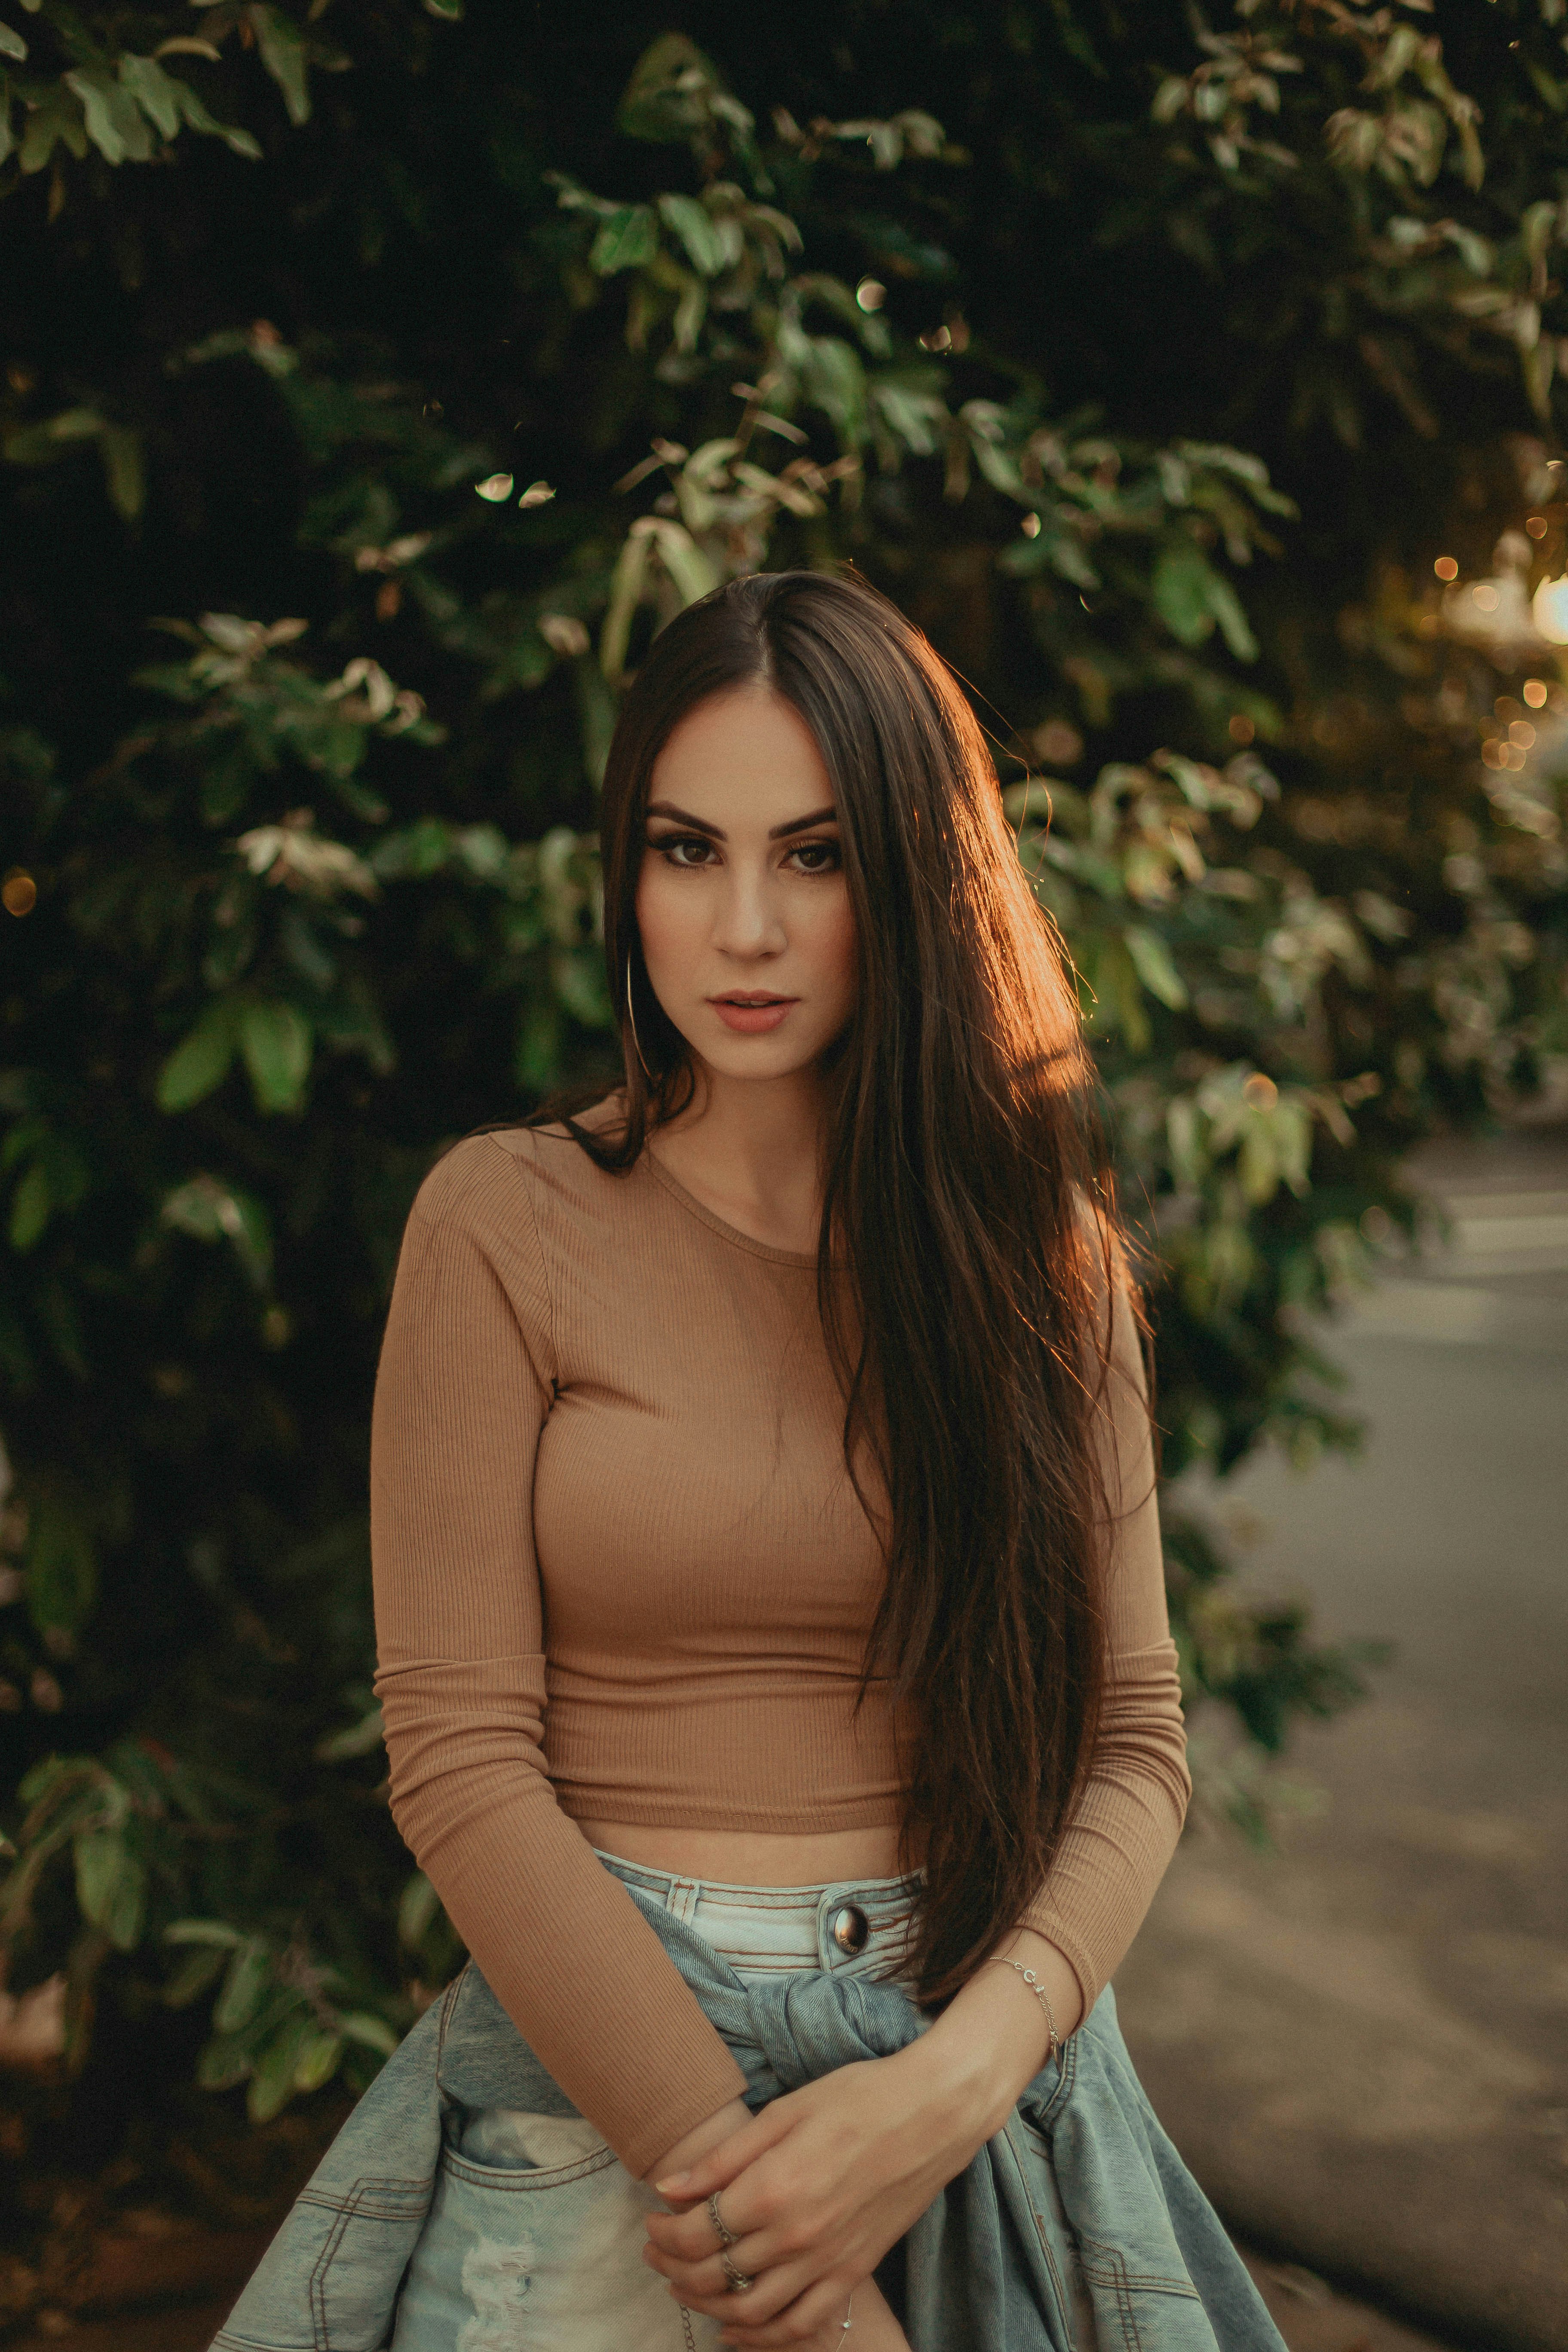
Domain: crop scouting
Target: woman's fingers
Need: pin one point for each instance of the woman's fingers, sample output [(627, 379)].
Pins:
[(721, 2164), (685, 2237), (758, 2252), (690, 2238), (812, 2322), (705, 2285)]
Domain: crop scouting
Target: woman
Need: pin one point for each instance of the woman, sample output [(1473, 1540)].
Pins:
[(769, 1587)]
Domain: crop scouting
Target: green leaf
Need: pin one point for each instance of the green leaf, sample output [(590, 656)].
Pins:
[(672, 92), (370, 2031), (1190, 596), (124, 475), (215, 1932), (276, 1041), (30, 1206), (66, 1779), (201, 1061), (201, 1966), (273, 2068), (836, 383), (62, 1570), (536, 1060), (318, 2060), (283, 54), (40, 445), (56, 119), (416, 1910), (360, 1738), (245, 1986), (697, 230), (213, 1211), (1225, 605), (11, 45), (578, 976), (195, 114), (111, 1886), (626, 589), (1152, 960), (627, 240), (1258, 1160), (1189, 1154), (685, 561), (1180, 586), (115, 124), (224, 2062), (153, 91), (1118, 999)]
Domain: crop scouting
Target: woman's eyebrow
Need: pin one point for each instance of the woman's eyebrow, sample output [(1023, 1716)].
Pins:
[(803, 824), (715, 833)]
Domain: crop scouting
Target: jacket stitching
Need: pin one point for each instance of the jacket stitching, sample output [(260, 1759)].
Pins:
[(534, 2176), (1064, 2308), (347, 2212), (448, 2006), (317, 2285)]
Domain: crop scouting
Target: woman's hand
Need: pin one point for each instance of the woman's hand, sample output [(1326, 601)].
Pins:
[(700, 2140), (815, 2190), (876, 2329), (818, 2186)]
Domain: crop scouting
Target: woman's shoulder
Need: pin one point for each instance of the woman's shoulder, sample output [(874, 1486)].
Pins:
[(492, 1172)]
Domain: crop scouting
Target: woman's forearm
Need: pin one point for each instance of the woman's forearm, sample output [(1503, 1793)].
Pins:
[(991, 2040), (993, 2037)]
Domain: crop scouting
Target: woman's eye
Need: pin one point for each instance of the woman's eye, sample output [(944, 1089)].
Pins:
[(677, 849), (818, 856)]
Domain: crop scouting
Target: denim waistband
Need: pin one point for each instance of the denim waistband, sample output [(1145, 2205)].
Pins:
[(857, 1927)]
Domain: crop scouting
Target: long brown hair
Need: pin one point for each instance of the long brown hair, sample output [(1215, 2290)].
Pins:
[(962, 1218)]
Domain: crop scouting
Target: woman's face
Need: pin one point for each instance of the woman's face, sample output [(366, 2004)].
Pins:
[(742, 904)]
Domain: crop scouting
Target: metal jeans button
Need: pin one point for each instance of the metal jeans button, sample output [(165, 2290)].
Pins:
[(850, 1928)]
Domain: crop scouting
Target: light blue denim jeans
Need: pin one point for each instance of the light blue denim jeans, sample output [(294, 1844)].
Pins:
[(535, 2233)]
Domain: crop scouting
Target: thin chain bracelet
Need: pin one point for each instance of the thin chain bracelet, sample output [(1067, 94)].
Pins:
[(1038, 1989), (844, 2324)]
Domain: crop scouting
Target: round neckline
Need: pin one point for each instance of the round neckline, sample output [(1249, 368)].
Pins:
[(717, 1225)]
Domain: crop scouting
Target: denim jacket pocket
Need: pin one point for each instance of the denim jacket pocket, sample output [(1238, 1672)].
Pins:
[(328, 2271), (544, 2254)]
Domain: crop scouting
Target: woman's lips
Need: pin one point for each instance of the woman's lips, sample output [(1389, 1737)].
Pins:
[(751, 1019)]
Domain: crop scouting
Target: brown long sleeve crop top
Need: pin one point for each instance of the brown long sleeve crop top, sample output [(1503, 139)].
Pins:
[(621, 1573)]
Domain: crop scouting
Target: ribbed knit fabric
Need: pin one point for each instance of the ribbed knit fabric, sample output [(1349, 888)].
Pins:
[(621, 1573)]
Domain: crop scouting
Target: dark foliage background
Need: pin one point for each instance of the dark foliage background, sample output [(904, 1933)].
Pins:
[(1152, 367)]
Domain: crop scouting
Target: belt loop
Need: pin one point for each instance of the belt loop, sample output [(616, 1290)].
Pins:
[(681, 1901)]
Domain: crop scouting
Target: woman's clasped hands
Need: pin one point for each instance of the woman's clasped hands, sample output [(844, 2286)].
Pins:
[(813, 2192)]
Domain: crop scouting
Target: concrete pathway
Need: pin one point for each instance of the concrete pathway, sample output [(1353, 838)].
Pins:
[(1361, 2043)]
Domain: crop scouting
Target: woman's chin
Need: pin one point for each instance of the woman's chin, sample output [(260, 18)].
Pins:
[(771, 1056)]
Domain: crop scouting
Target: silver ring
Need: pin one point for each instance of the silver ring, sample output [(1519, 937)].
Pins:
[(738, 2282), (726, 2235)]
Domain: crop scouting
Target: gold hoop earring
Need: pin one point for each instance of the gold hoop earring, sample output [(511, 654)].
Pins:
[(632, 1019)]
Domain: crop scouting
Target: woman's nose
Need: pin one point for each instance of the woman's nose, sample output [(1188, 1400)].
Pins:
[(749, 922)]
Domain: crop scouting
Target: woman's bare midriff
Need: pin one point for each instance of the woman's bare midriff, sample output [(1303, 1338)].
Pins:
[(752, 1858)]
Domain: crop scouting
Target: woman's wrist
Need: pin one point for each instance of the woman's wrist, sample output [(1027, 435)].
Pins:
[(695, 2143), (995, 2034)]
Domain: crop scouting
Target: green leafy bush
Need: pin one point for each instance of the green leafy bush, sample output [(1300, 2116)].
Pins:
[(358, 451)]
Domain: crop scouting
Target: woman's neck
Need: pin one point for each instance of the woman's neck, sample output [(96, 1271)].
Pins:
[(751, 1150)]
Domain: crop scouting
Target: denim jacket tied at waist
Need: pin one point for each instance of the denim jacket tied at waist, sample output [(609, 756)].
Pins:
[(987, 2265)]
